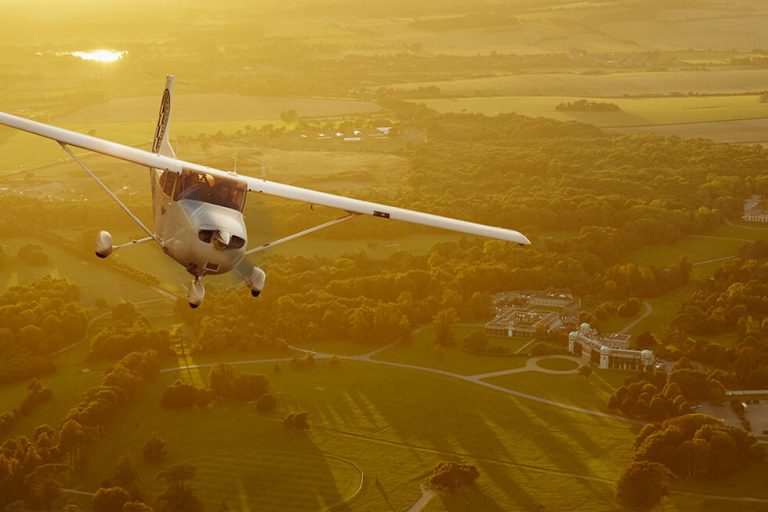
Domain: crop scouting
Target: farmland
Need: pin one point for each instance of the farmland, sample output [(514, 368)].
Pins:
[(634, 111)]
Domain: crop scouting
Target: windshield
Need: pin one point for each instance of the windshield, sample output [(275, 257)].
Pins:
[(207, 188)]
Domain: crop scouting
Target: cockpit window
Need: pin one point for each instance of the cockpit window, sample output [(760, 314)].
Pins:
[(207, 188)]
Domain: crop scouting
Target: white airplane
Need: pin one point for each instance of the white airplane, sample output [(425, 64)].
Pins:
[(197, 210)]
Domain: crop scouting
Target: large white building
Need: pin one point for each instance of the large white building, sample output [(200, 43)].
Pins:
[(526, 313), (753, 210), (523, 323), (604, 350)]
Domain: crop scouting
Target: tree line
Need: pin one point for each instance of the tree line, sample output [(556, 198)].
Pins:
[(37, 319), (32, 469)]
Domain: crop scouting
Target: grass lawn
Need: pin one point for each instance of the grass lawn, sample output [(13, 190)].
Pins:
[(216, 107), (556, 363), (394, 425), (665, 308), (698, 249), (610, 85), (591, 393), (72, 377), (381, 420), (95, 280), (634, 111), (422, 351), (742, 131)]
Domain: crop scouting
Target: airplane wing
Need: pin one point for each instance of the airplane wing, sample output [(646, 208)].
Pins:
[(157, 161)]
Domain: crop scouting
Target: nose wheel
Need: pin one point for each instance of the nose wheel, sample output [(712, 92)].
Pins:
[(196, 293)]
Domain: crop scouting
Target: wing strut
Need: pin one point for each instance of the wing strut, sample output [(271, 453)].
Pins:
[(108, 191), (302, 233)]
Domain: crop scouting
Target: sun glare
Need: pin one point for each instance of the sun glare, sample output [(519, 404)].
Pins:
[(99, 55)]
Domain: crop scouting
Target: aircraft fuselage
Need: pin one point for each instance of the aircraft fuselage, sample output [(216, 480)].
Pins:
[(199, 220)]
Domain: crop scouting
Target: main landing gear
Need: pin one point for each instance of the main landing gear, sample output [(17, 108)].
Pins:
[(196, 291)]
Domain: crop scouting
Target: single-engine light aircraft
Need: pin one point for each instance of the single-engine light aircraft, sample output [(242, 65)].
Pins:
[(198, 211)]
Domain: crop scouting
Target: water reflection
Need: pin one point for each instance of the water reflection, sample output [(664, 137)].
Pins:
[(100, 55)]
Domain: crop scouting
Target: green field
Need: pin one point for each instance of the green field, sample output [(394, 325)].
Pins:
[(634, 111), (699, 251), (422, 351), (557, 364), (588, 393), (387, 436), (391, 425), (602, 85), (215, 107), (95, 281), (744, 131)]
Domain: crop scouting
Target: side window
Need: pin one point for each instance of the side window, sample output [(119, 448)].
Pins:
[(167, 181)]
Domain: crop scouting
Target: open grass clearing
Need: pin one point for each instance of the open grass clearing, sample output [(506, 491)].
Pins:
[(744, 131), (610, 85), (588, 393), (73, 376), (95, 281), (422, 351), (634, 111), (665, 308), (698, 250), (394, 424), (682, 31), (382, 419), (557, 364), (216, 107)]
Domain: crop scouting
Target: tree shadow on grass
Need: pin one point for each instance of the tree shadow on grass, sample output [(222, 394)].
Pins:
[(474, 498)]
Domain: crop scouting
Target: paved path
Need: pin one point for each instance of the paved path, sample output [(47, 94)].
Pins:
[(424, 499), (740, 226), (647, 310), (475, 379), (532, 365), (713, 237), (713, 260), (472, 379)]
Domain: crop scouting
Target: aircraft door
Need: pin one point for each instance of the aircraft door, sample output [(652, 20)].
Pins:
[(168, 185)]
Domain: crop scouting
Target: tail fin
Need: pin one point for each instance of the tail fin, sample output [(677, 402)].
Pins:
[(161, 144)]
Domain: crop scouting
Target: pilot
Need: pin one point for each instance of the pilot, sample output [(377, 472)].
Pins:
[(222, 195)]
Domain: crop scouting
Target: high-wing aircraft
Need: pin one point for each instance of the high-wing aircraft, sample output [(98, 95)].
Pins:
[(198, 210)]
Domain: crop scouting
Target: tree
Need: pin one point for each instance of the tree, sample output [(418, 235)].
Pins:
[(266, 403), (645, 340), (136, 506), (444, 320), (476, 342), (154, 449), (110, 499), (125, 475), (178, 496), (452, 476), (297, 422), (642, 485), (289, 116), (221, 379), (180, 395)]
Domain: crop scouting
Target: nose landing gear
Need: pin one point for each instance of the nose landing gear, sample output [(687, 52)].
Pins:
[(196, 293)]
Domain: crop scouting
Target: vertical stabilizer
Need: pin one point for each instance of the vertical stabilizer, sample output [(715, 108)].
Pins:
[(161, 144)]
